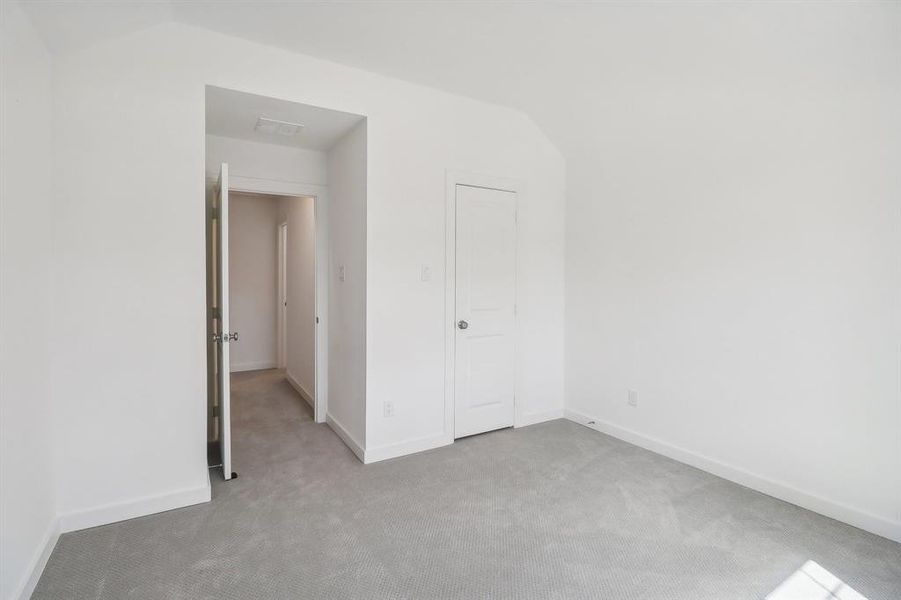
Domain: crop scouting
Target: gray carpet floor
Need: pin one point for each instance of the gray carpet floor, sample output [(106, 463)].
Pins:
[(554, 510)]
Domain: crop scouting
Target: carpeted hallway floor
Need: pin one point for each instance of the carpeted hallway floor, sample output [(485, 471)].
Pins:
[(264, 405), (554, 510)]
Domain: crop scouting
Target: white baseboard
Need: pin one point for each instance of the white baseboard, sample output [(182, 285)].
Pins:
[(438, 440), (112, 513), (345, 436), (104, 515), (36, 565), (835, 510), (253, 366), (407, 447), (300, 390), (539, 417)]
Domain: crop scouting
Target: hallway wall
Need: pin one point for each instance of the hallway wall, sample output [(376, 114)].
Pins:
[(347, 406), (253, 280), (301, 314)]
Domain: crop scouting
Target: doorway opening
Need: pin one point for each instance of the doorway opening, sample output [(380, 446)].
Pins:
[(269, 267)]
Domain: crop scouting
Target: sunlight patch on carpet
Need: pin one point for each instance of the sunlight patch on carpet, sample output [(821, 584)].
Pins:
[(813, 582)]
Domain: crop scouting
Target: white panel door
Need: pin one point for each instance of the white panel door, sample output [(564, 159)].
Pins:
[(485, 310), (223, 336)]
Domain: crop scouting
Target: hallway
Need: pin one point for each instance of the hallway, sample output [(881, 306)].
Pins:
[(267, 416)]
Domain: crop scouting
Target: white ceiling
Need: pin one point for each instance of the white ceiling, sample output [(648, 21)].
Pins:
[(70, 25), (571, 66), (234, 114)]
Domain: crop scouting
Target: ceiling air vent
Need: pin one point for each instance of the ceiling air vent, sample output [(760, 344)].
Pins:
[(276, 127)]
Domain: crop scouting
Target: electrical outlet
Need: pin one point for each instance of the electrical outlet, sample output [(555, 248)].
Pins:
[(633, 398), (425, 273), (388, 409), (342, 273)]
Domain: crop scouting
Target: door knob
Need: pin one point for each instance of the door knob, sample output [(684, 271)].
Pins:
[(461, 324), (231, 337)]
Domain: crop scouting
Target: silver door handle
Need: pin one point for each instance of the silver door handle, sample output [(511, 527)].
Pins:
[(461, 324), (228, 337)]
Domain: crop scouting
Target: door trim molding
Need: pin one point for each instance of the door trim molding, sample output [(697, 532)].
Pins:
[(453, 178), (281, 233)]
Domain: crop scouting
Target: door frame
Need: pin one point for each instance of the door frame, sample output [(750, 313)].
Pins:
[(453, 178), (282, 296), (319, 194)]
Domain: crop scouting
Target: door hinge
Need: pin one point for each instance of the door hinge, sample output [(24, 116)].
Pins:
[(214, 411), (214, 213)]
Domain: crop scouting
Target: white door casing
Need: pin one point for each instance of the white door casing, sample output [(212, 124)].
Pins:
[(282, 308), (485, 304)]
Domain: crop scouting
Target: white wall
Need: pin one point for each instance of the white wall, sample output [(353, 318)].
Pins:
[(347, 162), (298, 213), (253, 280), (264, 161), (27, 489), (734, 252), (130, 250)]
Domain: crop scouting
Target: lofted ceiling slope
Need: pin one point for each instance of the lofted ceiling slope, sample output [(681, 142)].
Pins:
[(571, 66)]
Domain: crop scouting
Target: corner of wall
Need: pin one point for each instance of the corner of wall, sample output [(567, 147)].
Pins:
[(38, 561)]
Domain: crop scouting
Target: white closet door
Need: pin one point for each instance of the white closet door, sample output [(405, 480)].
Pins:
[(485, 309)]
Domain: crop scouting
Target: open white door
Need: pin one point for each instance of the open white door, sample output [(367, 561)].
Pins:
[(485, 309), (223, 336)]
